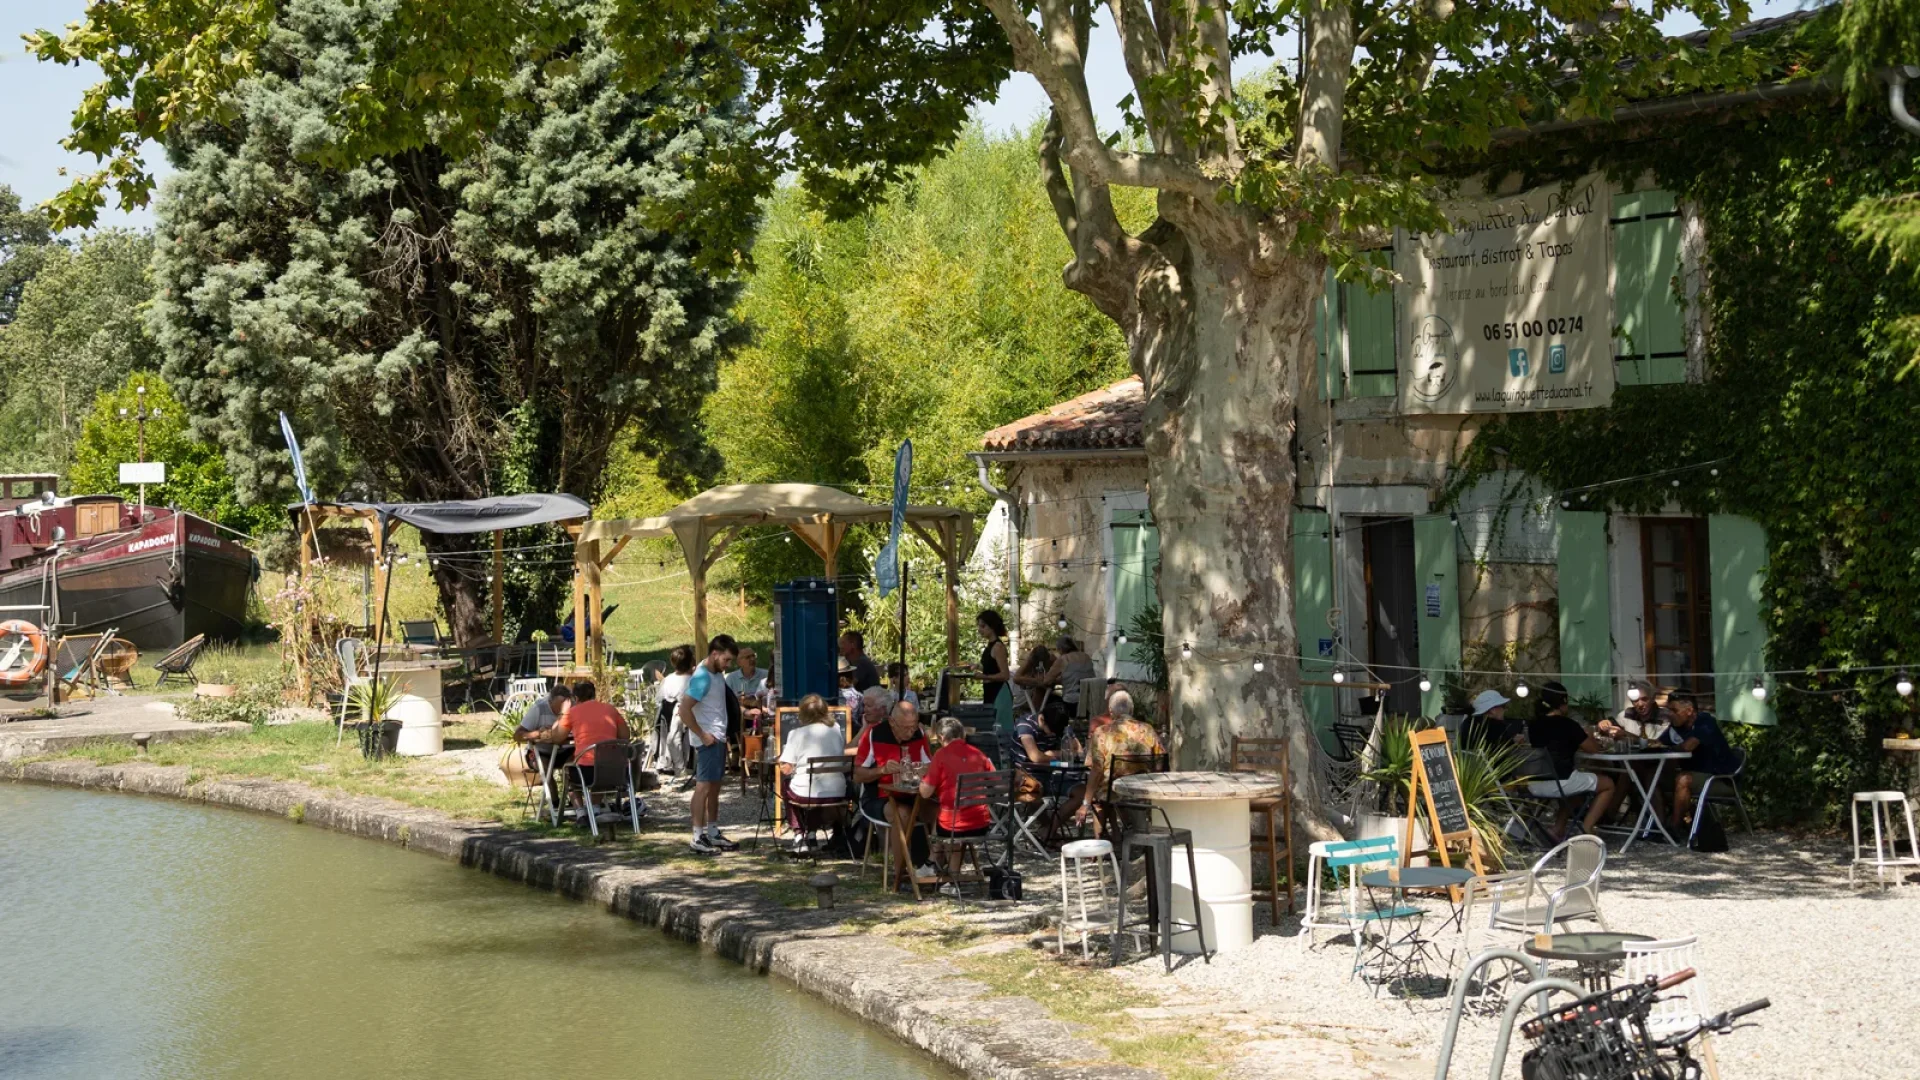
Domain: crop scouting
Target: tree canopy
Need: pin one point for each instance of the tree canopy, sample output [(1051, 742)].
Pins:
[(443, 322), (26, 241)]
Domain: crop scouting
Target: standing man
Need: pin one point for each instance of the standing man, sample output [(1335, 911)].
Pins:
[(703, 712), (853, 650), (749, 683)]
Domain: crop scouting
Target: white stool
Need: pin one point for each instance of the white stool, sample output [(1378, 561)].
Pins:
[(1886, 845), (1084, 907), (1310, 915)]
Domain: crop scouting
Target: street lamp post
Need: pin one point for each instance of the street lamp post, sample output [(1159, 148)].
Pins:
[(140, 414)]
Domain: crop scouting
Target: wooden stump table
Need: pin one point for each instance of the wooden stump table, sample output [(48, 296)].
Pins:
[(1214, 807)]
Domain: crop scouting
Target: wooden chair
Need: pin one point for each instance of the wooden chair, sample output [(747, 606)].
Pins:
[(1270, 756), (178, 664)]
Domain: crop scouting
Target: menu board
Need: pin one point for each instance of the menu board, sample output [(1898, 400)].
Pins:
[(1444, 786)]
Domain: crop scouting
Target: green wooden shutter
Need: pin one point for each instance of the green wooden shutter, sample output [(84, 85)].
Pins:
[(1737, 559), (1136, 564), (1436, 570), (1650, 339), (1326, 335), (1312, 596), (1586, 634), (1372, 365), (1629, 291)]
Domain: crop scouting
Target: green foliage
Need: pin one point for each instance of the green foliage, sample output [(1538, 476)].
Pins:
[(449, 321), (77, 331), (937, 316), (879, 617), (26, 242), (252, 704), (1148, 637), (1804, 411), (197, 478)]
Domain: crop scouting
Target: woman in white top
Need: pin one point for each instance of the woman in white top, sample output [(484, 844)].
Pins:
[(670, 740), (815, 736)]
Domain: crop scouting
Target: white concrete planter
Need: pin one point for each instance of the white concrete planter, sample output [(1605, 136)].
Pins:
[(1372, 825)]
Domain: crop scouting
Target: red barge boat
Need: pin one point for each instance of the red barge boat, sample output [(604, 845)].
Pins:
[(155, 582)]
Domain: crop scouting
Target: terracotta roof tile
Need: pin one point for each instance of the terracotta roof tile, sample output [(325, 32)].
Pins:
[(1106, 419)]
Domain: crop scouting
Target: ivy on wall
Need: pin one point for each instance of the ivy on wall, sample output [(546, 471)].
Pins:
[(1803, 403)]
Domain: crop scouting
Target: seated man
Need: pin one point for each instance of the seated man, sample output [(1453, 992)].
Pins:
[(538, 720), (587, 723), (956, 758), (816, 736), (1045, 737), (1123, 735), (897, 748), (1699, 734), (1562, 737)]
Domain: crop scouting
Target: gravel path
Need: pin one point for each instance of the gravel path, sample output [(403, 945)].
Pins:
[(1775, 918)]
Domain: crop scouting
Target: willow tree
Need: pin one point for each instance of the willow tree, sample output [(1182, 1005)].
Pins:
[(1261, 185), (457, 320)]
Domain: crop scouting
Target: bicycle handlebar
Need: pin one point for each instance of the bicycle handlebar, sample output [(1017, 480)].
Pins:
[(1739, 1011), (1675, 979)]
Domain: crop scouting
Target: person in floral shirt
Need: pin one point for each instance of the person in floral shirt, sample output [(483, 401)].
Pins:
[(1126, 736)]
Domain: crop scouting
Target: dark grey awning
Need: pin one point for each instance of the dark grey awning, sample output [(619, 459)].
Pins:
[(469, 515)]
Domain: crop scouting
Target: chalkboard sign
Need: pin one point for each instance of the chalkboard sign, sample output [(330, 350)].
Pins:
[(787, 717), (1445, 788)]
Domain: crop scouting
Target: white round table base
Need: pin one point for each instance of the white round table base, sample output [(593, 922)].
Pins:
[(1223, 859), (418, 711)]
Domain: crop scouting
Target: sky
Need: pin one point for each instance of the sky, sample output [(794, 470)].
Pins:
[(36, 99)]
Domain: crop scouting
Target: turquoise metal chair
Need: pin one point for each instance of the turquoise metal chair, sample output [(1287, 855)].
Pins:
[(1357, 857)]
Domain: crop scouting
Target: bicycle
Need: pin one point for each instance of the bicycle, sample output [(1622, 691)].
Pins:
[(1604, 1036)]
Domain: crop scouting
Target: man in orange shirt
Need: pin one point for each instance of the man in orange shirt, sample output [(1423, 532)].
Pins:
[(588, 723)]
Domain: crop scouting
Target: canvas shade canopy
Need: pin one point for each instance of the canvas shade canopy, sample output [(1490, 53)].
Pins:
[(495, 515), (705, 524)]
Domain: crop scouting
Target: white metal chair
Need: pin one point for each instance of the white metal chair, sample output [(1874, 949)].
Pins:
[(1085, 905), (1686, 1004), (1576, 897), (1886, 840), (1346, 908), (347, 650), (522, 693), (1484, 896), (1724, 788)]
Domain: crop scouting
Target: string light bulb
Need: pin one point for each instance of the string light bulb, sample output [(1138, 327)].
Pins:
[(1259, 666), (1120, 638), (1521, 689), (1339, 675), (1633, 693), (1903, 683), (1759, 690), (1186, 651), (1061, 622), (1426, 684)]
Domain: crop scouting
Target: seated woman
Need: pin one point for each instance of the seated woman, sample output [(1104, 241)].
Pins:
[(956, 758), (816, 736), (1070, 669), (897, 748), (1045, 737), (1125, 737), (1033, 680)]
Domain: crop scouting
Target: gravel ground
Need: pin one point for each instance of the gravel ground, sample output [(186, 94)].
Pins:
[(1775, 918)]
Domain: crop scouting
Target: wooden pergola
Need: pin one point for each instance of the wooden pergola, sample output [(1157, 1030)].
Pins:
[(707, 523)]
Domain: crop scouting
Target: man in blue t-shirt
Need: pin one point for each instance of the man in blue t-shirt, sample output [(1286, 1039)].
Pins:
[(1699, 734), (703, 713)]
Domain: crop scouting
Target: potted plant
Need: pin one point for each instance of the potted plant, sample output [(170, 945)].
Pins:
[(219, 684), (1391, 775), (372, 701)]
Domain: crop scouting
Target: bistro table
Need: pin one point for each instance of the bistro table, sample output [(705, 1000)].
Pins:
[(1400, 950), (418, 709), (1214, 807), (1910, 747), (1623, 761), (1594, 954)]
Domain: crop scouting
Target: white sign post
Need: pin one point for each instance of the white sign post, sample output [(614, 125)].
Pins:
[(1509, 312), (143, 473)]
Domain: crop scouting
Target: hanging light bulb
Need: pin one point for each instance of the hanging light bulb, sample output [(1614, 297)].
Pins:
[(1186, 651), (1120, 638), (1259, 666), (1339, 675), (1426, 684), (1633, 693), (1759, 690), (1521, 689), (1061, 622), (1903, 683)]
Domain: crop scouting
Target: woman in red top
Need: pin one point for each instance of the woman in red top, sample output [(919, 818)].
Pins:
[(956, 758)]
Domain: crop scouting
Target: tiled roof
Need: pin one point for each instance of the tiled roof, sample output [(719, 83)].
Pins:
[(1106, 419)]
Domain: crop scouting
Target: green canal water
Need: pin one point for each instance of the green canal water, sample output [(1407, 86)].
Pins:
[(147, 938)]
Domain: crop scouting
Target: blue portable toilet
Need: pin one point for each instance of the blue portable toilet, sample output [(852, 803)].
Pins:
[(809, 639)]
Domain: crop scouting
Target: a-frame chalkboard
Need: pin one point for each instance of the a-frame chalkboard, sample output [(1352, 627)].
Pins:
[(1435, 789)]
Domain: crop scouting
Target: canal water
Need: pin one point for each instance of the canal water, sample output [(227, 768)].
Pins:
[(148, 938)]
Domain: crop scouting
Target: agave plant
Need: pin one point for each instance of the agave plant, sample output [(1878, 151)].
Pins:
[(1484, 775), (1392, 771), (374, 699)]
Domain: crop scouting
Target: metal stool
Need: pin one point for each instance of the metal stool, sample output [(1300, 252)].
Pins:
[(1158, 842), (1886, 845), (1083, 907)]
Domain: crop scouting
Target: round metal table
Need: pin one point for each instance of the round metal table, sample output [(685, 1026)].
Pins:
[(1401, 948), (1214, 806), (1594, 954)]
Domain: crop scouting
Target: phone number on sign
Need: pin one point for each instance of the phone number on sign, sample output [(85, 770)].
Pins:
[(1509, 331)]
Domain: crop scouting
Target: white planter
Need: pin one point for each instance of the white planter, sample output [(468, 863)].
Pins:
[(1372, 825)]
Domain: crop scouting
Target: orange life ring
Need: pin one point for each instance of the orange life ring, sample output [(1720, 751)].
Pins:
[(23, 652)]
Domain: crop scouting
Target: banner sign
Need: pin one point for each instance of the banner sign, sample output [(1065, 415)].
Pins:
[(299, 465), (886, 569), (1509, 311)]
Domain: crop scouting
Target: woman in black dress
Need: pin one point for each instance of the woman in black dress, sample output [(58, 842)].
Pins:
[(994, 666)]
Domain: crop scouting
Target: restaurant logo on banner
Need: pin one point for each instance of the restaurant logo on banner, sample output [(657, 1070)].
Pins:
[(1509, 312), (886, 569)]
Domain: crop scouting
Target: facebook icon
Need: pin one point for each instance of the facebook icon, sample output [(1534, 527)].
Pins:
[(1517, 362)]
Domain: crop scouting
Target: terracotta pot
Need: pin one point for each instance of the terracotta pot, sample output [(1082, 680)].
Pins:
[(209, 689)]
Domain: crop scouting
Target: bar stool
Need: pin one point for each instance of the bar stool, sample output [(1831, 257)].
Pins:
[(1089, 897), (1886, 845), (1157, 842)]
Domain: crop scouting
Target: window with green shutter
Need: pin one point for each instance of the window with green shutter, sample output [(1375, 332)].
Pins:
[(1372, 363), (1136, 563), (1326, 336), (1649, 331)]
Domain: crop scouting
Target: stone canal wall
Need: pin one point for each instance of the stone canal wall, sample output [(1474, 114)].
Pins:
[(925, 1001)]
